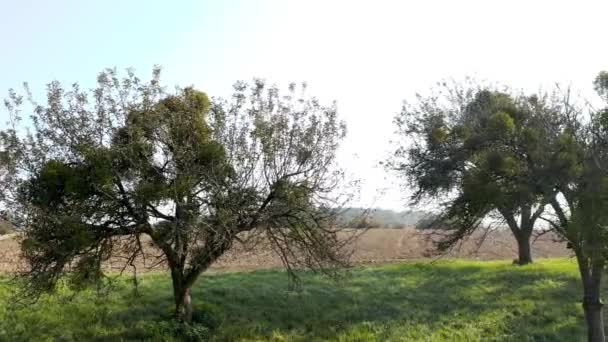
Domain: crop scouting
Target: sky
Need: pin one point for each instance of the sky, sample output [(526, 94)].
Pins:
[(369, 56)]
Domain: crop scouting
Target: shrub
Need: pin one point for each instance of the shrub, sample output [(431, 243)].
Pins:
[(5, 228)]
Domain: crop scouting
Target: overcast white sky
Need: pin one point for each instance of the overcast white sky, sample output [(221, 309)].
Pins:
[(367, 55)]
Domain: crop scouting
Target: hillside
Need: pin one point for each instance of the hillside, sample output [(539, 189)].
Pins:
[(384, 218)]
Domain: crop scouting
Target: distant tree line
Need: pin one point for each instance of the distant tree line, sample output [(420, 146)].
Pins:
[(362, 218)]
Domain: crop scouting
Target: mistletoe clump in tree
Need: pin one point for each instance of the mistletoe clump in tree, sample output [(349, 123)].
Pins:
[(103, 169)]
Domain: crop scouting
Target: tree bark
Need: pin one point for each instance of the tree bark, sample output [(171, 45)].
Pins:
[(523, 249), (595, 319), (183, 278), (521, 232), (183, 306), (592, 303), (182, 297)]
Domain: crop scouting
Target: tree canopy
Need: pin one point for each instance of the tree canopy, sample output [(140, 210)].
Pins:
[(480, 150)]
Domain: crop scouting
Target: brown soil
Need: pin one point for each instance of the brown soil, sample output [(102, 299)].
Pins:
[(373, 246)]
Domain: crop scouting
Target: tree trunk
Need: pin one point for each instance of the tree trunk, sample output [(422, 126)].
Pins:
[(523, 249), (595, 319), (592, 303), (183, 306), (183, 279), (182, 297), (521, 232)]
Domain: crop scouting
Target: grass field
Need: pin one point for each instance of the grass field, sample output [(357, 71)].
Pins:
[(445, 301)]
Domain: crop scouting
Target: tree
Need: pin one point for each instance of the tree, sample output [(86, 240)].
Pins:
[(478, 149), (578, 170), (9, 156), (194, 175), (553, 159)]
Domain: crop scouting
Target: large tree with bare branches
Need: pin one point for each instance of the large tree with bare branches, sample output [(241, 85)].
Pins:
[(102, 169)]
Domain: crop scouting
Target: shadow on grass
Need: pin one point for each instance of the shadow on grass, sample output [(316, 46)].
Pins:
[(448, 300)]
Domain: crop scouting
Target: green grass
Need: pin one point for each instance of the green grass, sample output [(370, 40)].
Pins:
[(445, 301)]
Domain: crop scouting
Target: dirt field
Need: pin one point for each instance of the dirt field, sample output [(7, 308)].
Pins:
[(373, 246)]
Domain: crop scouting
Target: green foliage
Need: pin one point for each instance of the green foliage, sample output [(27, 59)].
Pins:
[(501, 124), (485, 301), (9, 157), (601, 84), (438, 136), (588, 226)]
